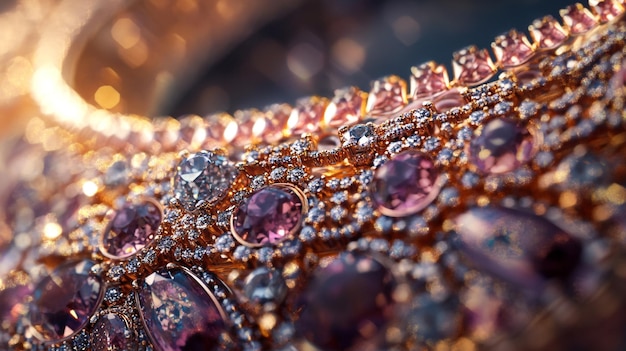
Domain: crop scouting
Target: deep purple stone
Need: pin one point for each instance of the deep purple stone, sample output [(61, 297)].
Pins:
[(132, 228), (178, 311), (64, 301), (501, 147), (518, 247), (268, 216), (405, 184), (347, 303), (112, 333)]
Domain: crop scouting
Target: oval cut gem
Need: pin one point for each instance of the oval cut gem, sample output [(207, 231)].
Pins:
[(269, 216), (405, 184), (132, 228), (64, 301), (347, 303), (501, 147), (521, 248), (203, 176), (112, 333), (179, 312)]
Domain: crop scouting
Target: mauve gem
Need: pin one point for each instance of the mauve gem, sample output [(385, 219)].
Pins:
[(501, 147), (132, 228), (64, 301), (268, 216), (405, 184), (178, 312), (112, 333), (347, 303), (519, 247)]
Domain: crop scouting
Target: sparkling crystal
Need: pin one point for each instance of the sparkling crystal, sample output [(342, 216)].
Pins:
[(521, 248), (350, 292), (203, 176), (360, 135), (472, 66), (64, 301), (578, 19), (607, 10), (178, 312), (501, 147), (512, 49), (132, 228), (112, 332), (346, 108), (307, 115), (405, 184), (265, 286), (547, 32), (388, 95), (268, 216), (428, 79)]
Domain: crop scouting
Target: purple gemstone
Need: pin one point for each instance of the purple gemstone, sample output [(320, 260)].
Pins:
[(64, 301), (519, 247), (179, 313), (268, 216), (347, 303), (405, 184), (132, 228), (112, 333), (11, 300), (501, 147)]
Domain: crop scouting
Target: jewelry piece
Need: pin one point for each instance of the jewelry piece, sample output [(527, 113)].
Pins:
[(486, 212)]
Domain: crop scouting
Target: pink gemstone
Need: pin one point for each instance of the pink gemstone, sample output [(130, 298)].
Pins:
[(472, 66), (112, 332), (512, 49), (277, 116), (501, 147), (405, 184), (252, 124), (269, 216), (578, 19), (179, 313), (193, 131), (222, 129), (388, 95), (606, 10), (64, 301), (132, 228), (307, 115), (428, 79), (346, 108), (547, 33)]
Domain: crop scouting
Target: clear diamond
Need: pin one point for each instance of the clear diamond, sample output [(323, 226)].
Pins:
[(360, 135)]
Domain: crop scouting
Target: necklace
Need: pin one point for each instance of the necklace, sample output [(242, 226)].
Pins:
[(477, 208)]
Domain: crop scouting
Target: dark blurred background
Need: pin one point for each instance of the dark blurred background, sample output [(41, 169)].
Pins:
[(323, 45)]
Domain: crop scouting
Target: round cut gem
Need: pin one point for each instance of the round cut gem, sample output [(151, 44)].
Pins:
[(521, 248), (501, 147), (64, 301), (131, 229), (112, 333), (405, 184), (269, 216), (347, 303), (179, 312), (203, 176), (265, 286)]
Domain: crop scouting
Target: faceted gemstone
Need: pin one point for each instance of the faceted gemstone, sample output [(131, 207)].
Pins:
[(428, 79), (223, 129), (64, 301), (132, 228), (252, 124), (307, 115), (512, 49), (501, 147), (11, 300), (265, 286), (346, 108), (277, 116), (203, 176), (472, 66), (405, 184), (112, 332), (388, 95), (547, 33), (347, 303), (606, 10), (193, 131), (578, 19), (360, 135), (178, 312), (268, 216), (519, 247)]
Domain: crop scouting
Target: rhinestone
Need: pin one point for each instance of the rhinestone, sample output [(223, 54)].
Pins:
[(264, 286), (132, 228)]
